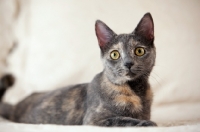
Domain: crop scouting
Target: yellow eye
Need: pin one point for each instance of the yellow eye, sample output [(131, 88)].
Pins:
[(139, 51), (114, 55)]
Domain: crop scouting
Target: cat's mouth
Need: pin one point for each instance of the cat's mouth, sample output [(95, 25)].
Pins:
[(130, 74)]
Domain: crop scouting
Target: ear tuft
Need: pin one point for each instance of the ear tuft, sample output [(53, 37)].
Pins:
[(145, 27), (103, 33)]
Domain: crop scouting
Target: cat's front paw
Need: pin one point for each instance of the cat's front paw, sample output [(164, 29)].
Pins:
[(146, 123)]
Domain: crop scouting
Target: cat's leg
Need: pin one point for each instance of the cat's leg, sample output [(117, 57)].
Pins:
[(124, 121)]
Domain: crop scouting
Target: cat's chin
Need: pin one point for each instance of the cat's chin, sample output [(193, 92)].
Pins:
[(122, 79), (130, 76)]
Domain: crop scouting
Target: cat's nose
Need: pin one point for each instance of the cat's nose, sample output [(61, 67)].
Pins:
[(128, 64)]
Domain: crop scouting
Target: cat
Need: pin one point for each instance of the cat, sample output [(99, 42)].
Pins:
[(6, 81), (118, 96)]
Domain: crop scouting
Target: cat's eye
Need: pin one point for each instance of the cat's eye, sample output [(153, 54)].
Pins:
[(114, 55), (139, 51)]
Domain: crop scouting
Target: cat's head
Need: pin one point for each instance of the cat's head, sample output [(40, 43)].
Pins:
[(127, 56)]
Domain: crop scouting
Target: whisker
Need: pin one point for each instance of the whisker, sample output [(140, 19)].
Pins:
[(146, 74), (156, 75), (151, 76)]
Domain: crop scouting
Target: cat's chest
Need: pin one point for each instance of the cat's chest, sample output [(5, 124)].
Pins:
[(127, 100), (130, 103), (122, 97)]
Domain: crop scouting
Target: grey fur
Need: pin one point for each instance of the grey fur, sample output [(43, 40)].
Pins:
[(118, 96)]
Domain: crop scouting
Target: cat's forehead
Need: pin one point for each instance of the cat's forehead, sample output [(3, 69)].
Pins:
[(125, 40)]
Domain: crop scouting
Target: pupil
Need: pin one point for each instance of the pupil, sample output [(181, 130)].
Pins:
[(139, 51)]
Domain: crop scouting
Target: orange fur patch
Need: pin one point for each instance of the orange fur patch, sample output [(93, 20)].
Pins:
[(123, 96), (149, 94), (124, 100)]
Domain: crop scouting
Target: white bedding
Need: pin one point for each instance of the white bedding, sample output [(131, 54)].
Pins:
[(55, 128), (57, 46)]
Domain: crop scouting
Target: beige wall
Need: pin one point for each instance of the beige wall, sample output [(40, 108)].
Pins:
[(57, 46)]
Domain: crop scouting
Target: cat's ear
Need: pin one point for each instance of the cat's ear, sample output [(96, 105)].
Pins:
[(103, 33), (145, 27)]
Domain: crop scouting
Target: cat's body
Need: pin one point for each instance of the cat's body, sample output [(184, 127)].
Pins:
[(118, 96), (85, 104)]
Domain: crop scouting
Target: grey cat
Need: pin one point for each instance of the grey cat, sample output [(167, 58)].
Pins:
[(118, 96)]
